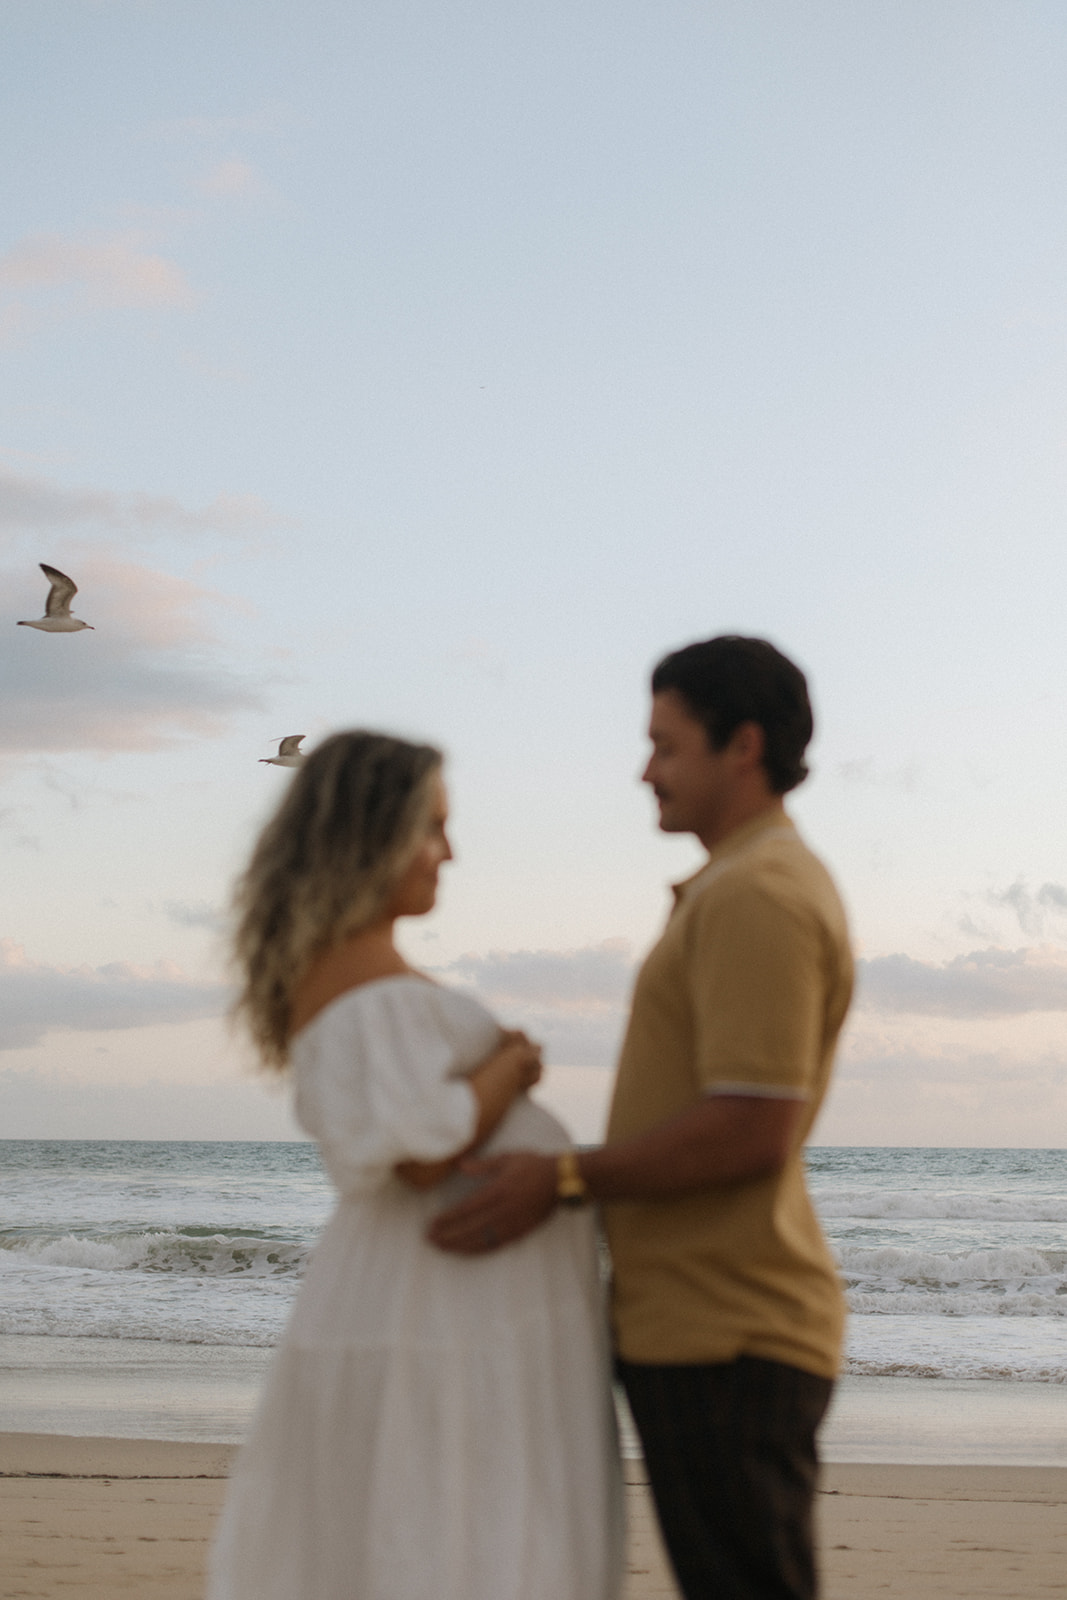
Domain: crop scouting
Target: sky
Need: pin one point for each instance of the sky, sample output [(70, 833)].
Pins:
[(437, 369)]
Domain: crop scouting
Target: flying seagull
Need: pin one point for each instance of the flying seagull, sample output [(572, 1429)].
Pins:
[(289, 752), (57, 617)]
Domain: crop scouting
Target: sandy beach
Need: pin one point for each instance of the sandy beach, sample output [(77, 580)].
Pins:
[(100, 1517)]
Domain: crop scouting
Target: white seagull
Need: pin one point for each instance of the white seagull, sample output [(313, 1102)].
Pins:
[(289, 752), (57, 617)]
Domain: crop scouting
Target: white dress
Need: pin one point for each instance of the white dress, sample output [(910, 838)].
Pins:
[(433, 1427)]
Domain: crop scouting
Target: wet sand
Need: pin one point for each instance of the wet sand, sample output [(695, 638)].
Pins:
[(103, 1517)]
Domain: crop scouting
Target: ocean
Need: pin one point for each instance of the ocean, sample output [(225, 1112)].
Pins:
[(142, 1286)]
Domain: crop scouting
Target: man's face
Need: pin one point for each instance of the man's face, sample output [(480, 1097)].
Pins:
[(692, 782)]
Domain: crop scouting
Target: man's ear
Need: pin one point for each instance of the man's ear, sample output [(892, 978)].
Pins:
[(748, 744)]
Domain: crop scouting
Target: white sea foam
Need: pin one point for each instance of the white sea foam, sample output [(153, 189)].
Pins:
[(889, 1204), (82, 1301), (977, 1346), (1007, 1282), (1027, 1303), (954, 1365), (210, 1255), (189, 1324), (995, 1266)]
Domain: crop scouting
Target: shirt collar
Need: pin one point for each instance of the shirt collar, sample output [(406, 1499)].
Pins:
[(734, 843)]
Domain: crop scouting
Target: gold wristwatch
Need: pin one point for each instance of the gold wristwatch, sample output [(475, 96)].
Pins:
[(571, 1189)]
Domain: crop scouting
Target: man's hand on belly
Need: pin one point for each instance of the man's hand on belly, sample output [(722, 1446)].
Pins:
[(518, 1194)]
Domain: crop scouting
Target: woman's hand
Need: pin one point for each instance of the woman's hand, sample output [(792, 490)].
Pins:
[(513, 1067), (526, 1057)]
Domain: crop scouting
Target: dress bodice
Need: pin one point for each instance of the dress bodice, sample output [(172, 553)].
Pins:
[(380, 1077)]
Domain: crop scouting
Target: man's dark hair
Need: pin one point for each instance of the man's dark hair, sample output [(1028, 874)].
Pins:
[(730, 680)]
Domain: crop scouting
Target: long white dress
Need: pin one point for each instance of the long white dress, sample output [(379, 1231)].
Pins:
[(433, 1427)]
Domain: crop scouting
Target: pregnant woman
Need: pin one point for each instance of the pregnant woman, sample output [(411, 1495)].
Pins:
[(433, 1427)]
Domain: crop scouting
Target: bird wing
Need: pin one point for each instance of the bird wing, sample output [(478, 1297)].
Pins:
[(60, 594), (290, 745)]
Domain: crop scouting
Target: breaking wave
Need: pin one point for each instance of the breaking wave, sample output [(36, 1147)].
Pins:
[(195, 1251)]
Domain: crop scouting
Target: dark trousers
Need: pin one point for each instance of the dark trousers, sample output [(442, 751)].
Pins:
[(730, 1452)]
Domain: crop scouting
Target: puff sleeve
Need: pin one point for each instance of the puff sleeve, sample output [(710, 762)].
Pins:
[(379, 1082)]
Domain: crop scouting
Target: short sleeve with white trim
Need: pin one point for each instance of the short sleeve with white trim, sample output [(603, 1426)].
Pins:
[(754, 972)]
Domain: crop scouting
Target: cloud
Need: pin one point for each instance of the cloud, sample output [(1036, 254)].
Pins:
[(595, 976), (35, 999), (1019, 899), (1031, 910), (573, 1001), (965, 1071), (481, 658), (912, 1079), (48, 276), (143, 679), (228, 178), (930, 1096), (985, 983), (866, 771), (40, 1105), (216, 127), (82, 793), (112, 270), (32, 505), (184, 914)]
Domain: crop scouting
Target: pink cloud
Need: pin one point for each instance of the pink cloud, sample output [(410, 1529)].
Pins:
[(233, 176), (149, 677), (139, 605), (984, 983), (39, 998), (30, 504), (48, 274)]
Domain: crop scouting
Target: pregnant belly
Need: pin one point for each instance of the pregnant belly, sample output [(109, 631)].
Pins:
[(377, 1213), (375, 1280), (528, 1126)]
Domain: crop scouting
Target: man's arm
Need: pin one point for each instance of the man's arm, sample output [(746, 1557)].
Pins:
[(721, 1139)]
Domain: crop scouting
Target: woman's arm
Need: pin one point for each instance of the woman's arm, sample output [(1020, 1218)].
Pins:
[(514, 1067)]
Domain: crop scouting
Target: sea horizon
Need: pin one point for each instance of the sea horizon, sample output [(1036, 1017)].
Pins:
[(23, 1138)]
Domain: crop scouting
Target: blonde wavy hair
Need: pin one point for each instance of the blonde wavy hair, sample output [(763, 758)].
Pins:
[(324, 867)]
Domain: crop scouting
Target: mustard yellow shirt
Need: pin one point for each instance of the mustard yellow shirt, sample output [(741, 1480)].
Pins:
[(745, 993)]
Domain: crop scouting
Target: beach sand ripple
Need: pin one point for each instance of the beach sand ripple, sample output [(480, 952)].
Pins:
[(102, 1517)]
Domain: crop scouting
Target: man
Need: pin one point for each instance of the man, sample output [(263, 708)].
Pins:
[(727, 1310)]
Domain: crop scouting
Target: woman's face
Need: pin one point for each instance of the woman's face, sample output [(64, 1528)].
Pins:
[(416, 892)]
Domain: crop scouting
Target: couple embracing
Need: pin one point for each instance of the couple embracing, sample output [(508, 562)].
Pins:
[(438, 1421)]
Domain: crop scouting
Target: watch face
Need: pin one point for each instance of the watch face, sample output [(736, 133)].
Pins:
[(570, 1185)]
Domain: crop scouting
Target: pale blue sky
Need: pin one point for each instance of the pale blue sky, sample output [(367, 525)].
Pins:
[(438, 368)]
